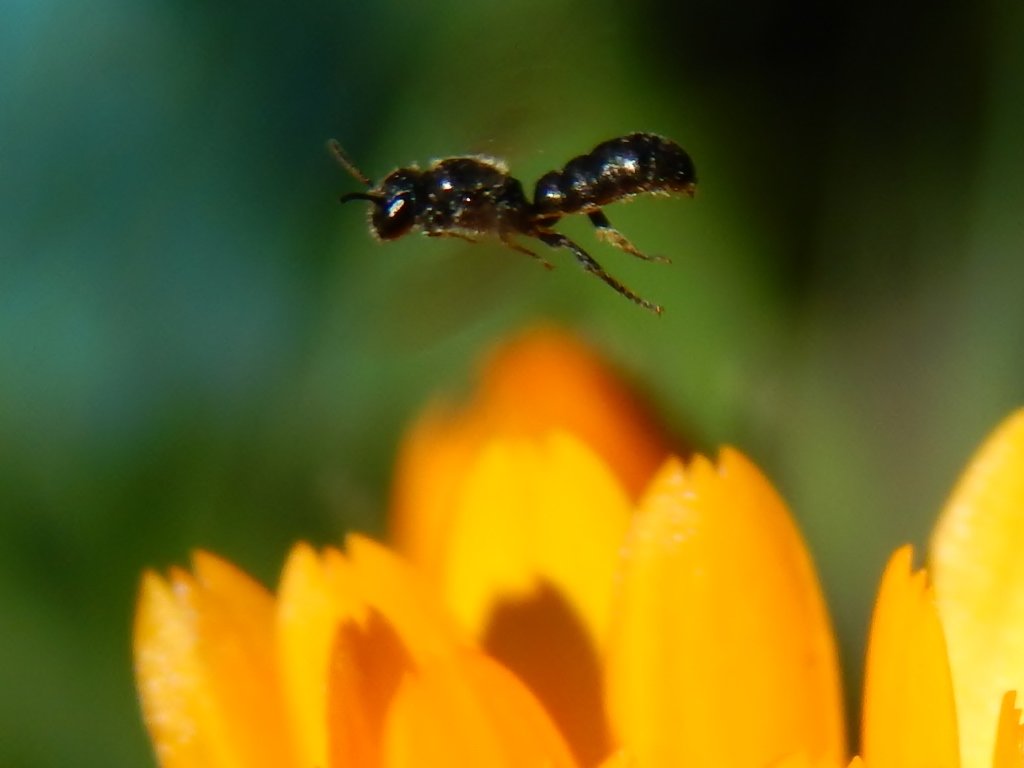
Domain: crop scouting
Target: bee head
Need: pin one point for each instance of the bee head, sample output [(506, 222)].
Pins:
[(394, 201), (394, 204)]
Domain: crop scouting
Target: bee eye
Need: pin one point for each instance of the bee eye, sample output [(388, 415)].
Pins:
[(395, 216), (395, 207)]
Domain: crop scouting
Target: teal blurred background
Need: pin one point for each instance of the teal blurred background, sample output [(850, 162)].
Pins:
[(200, 348)]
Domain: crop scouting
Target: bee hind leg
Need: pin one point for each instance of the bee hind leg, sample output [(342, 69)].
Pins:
[(608, 233), (558, 240)]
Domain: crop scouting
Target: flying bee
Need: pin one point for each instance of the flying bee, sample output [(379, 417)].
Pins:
[(471, 197)]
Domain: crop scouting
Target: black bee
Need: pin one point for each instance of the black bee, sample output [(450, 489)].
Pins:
[(468, 197)]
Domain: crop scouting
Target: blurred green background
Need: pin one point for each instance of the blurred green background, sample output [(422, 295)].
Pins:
[(200, 348)]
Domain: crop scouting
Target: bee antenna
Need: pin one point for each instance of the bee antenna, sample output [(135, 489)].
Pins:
[(346, 162)]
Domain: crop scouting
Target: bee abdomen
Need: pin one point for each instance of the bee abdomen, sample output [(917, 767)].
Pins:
[(614, 170)]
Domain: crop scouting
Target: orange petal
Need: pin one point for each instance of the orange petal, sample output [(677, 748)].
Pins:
[(467, 710), (721, 651), (1009, 749), (405, 663), (367, 666), (978, 571), (545, 380), (548, 379), (909, 716)]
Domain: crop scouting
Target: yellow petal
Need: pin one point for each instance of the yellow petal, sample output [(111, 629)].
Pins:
[(467, 710), (1009, 750), (543, 381), (721, 652), (533, 548), (172, 687), (315, 595), (536, 512), (619, 759), (235, 624), (431, 464), (978, 570), (387, 584), (799, 760), (909, 716), (206, 670)]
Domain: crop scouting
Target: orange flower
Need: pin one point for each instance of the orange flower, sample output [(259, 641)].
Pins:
[(352, 665), (546, 612), (946, 659), (543, 381), (977, 558)]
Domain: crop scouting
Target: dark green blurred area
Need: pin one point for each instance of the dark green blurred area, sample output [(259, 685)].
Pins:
[(199, 348)]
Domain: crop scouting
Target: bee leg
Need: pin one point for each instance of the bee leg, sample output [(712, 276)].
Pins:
[(558, 240), (449, 233), (608, 233), (507, 241)]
